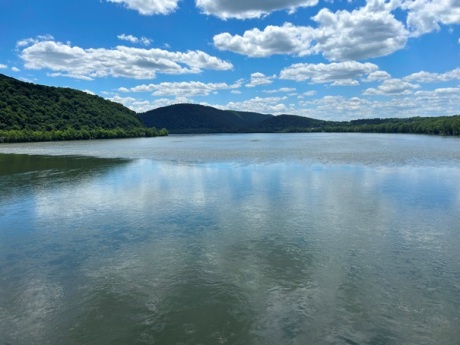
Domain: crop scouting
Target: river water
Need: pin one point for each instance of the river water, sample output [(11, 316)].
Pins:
[(231, 239)]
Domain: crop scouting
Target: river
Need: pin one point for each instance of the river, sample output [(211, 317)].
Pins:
[(231, 239)]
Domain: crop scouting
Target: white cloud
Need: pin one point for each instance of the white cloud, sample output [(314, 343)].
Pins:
[(370, 31), (183, 89), (133, 39), (15, 69), (426, 77), (281, 90), (286, 39), (345, 82), (377, 76), (141, 106), (260, 79), (336, 108), (149, 7), (30, 41), (441, 91), (243, 9), (66, 60), (426, 15), (392, 87), (269, 105), (2, 66), (336, 73), (422, 103)]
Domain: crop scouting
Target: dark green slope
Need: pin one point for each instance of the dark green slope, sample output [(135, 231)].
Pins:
[(193, 118), (287, 123), (30, 112), (40, 108)]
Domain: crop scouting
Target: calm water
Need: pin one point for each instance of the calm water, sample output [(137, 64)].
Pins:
[(231, 239)]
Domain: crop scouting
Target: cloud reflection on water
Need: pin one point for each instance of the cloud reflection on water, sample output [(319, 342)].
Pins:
[(218, 251)]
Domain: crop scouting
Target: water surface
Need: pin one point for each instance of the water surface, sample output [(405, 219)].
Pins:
[(231, 239)]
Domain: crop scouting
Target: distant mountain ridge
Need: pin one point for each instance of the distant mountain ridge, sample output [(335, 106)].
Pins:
[(31, 112), (194, 118)]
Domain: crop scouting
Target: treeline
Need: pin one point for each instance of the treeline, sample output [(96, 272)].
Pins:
[(12, 136), (446, 125), (196, 119), (31, 112)]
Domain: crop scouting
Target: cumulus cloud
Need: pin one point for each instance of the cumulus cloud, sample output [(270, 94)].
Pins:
[(243, 9), (392, 87), (260, 79), (66, 60), (367, 32), (286, 39), (186, 89), (377, 76), (2, 66), (427, 77), (370, 31), (269, 105), (420, 103), (141, 105), (426, 15), (336, 73), (30, 41), (149, 7), (15, 69), (281, 90), (133, 39)]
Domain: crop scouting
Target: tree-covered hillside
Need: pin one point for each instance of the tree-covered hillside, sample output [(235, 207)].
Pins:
[(194, 118), (288, 123), (36, 112), (443, 125)]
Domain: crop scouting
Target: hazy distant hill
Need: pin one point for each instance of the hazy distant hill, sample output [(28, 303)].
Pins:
[(194, 118), (37, 112)]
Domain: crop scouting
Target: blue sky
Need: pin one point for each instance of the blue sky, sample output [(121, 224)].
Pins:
[(333, 60)]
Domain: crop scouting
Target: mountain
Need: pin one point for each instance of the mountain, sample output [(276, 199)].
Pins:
[(287, 123), (30, 112), (194, 118), (37, 112), (37, 107)]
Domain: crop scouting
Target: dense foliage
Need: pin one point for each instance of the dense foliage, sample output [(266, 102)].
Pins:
[(78, 134), (30, 112), (444, 125), (193, 118)]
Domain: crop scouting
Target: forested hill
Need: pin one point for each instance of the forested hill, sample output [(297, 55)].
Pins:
[(442, 125), (36, 112), (194, 118)]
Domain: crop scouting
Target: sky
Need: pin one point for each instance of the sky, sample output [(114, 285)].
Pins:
[(330, 60)]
